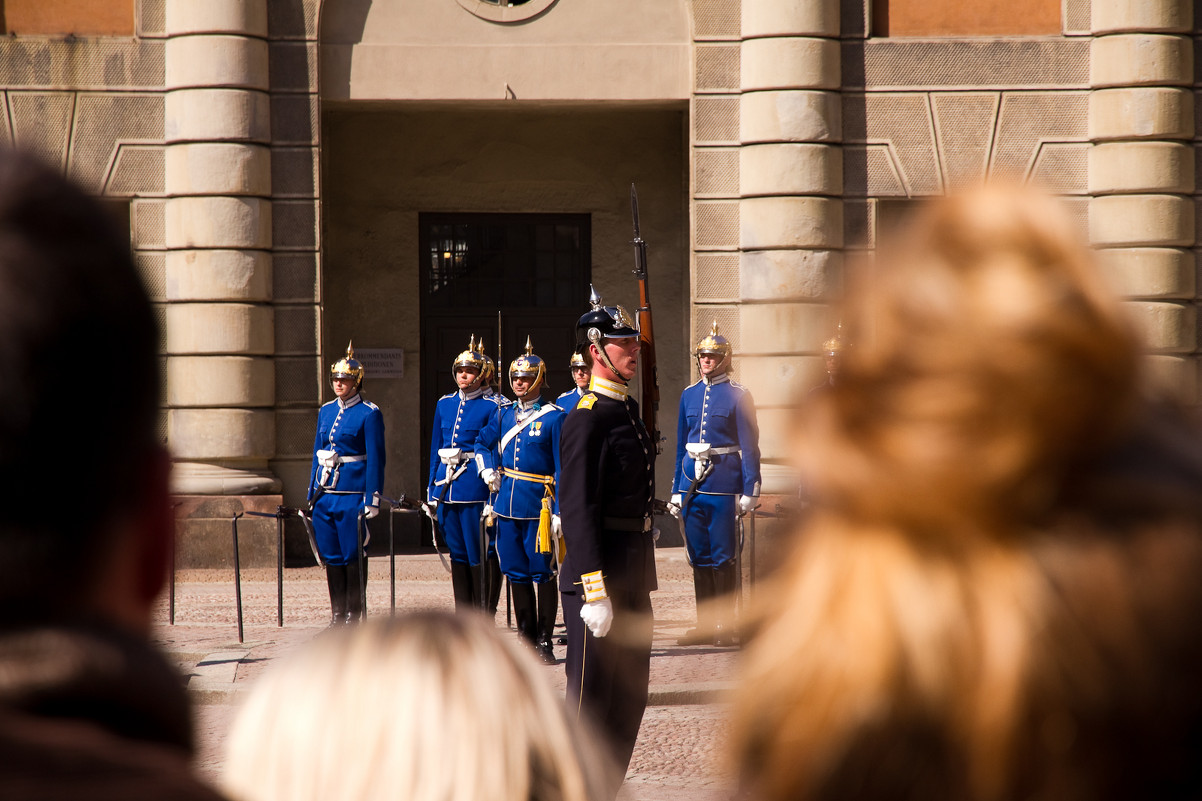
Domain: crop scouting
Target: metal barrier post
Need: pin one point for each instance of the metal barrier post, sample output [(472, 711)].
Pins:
[(237, 577), (391, 563), (279, 568), (279, 514), (171, 589)]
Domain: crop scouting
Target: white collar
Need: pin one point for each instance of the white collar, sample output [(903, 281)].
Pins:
[(346, 404), (524, 406), (722, 379), (477, 393), (610, 389)]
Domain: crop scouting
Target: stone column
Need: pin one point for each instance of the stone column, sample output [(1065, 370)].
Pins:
[(790, 208), (1141, 172), (219, 329)]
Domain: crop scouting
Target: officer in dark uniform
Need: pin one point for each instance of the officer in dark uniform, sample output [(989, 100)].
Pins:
[(607, 484), (517, 455), (717, 479), (580, 375), (454, 491), (345, 482)]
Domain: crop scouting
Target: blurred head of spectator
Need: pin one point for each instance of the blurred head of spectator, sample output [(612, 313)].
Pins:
[(426, 707), (88, 708), (87, 522), (995, 595)]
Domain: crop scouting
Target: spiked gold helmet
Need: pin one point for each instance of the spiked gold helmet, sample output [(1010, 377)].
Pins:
[(472, 357), (490, 367), (715, 344), (528, 366), (348, 366), (834, 346), (577, 362)]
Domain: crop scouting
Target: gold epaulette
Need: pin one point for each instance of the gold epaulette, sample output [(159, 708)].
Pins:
[(587, 401)]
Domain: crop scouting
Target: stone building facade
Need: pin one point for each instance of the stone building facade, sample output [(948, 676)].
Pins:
[(287, 166)]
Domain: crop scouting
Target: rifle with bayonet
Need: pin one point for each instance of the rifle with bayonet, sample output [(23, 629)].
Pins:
[(648, 376)]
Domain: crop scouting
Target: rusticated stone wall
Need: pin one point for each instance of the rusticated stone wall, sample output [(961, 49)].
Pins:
[(803, 127), (1142, 173)]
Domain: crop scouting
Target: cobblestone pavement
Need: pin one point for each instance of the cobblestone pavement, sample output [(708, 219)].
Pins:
[(679, 751)]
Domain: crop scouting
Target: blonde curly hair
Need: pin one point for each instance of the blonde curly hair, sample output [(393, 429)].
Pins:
[(428, 706), (969, 612)]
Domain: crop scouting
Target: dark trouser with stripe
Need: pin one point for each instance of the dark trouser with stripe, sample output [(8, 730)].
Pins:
[(608, 676)]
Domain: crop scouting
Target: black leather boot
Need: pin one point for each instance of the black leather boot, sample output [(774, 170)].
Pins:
[(479, 588), (461, 585), (725, 582), (355, 584), (548, 608), (336, 581), (524, 612), (703, 591), (495, 581)]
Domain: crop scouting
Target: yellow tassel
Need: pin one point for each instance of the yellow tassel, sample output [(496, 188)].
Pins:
[(544, 526)]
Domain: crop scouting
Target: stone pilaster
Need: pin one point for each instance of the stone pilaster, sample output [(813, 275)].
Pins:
[(1141, 172), (790, 207), (219, 319)]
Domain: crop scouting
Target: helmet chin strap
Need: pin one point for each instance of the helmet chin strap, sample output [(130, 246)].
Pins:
[(594, 336)]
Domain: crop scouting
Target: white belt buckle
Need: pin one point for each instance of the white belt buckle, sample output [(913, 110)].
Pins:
[(700, 452)]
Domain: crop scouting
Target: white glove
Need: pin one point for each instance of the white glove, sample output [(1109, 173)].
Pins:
[(556, 525), (598, 616), (654, 535), (675, 504), (487, 510), (370, 511), (491, 477), (432, 510), (747, 503)]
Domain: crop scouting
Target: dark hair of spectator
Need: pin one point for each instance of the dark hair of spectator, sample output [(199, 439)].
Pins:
[(80, 392)]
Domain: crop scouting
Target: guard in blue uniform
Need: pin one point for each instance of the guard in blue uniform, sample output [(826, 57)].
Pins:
[(832, 352), (580, 375), (606, 490), (717, 479), (454, 492), (345, 482), (517, 454)]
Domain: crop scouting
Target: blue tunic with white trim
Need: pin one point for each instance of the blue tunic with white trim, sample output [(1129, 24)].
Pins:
[(721, 414), (458, 419), (568, 400), (534, 449)]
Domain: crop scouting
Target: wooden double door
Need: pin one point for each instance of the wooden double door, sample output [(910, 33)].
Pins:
[(500, 276)]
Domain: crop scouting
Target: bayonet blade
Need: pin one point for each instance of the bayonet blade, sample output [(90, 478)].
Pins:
[(640, 247), (634, 210)]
